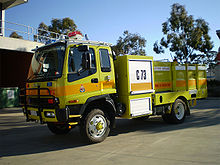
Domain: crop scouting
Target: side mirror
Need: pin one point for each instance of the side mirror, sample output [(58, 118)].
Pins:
[(83, 48), (86, 61)]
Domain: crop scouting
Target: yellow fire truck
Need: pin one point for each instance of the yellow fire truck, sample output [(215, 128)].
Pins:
[(81, 83)]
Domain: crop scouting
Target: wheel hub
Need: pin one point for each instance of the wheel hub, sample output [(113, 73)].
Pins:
[(179, 111), (97, 126)]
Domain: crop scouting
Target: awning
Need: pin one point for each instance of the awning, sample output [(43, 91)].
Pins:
[(6, 4)]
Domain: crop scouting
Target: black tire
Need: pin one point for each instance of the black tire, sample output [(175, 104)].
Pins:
[(95, 126), (58, 129), (178, 113)]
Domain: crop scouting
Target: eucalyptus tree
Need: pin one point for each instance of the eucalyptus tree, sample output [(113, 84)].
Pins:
[(130, 43), (187, 37), (59, 26)]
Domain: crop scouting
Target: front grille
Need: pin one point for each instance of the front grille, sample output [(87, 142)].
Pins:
[(36, 100)]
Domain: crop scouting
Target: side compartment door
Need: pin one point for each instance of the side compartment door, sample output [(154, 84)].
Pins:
[(141, 76), (141, 86)]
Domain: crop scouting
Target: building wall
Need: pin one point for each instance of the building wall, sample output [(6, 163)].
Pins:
[(14, 66)]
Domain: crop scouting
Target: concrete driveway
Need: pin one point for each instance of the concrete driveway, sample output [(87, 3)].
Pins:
[(196, 141)]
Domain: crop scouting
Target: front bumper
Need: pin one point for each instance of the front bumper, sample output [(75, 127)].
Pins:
[(33, 114), (39, 104), (45, 107), (51, 115)]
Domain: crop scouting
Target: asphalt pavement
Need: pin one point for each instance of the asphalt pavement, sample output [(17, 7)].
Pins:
[(196, 141)]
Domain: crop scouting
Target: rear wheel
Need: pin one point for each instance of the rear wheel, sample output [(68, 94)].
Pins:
[(95, 127), (178, 113), (58, 128)]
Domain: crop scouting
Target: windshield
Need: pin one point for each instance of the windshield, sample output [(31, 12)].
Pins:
[(47, 62)]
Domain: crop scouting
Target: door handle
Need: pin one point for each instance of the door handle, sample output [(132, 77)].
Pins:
[(94, 80)]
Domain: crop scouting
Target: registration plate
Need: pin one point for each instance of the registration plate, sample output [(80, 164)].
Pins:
[(34, 113)]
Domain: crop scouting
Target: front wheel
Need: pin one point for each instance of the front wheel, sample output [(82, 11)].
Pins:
[(95, 127), (178, 113), (58, 128)]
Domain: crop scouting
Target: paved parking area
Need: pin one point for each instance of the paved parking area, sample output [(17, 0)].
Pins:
[(196, 141)]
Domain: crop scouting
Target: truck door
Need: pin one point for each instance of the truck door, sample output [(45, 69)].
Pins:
[(82, 83), (107, 76)]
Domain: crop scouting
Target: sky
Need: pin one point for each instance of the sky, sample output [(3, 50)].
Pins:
[(106, 20)]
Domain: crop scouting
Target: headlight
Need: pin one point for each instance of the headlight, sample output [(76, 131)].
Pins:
[(49, 114)]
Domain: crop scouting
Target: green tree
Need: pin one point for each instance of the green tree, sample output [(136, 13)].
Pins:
[(15, 35), (130, 43), (209, 59), (59, 26), (43, 34), (62, 26), (187, 37)]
